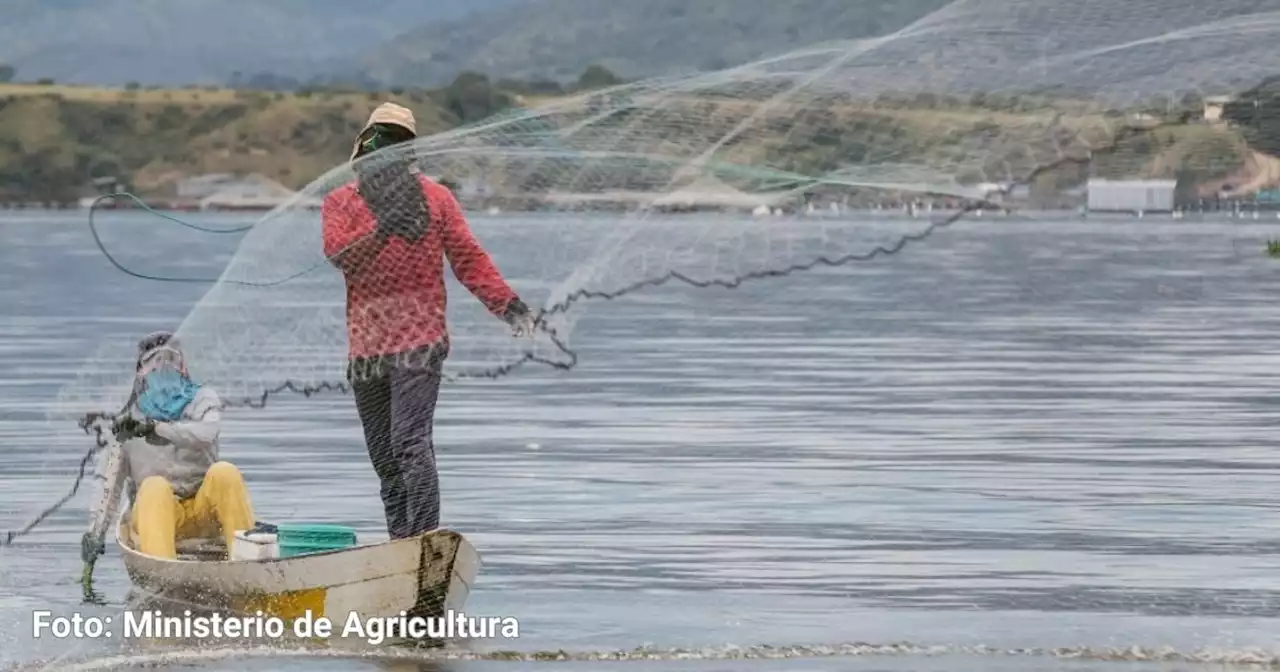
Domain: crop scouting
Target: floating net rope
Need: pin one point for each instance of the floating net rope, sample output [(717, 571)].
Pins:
[(824, 157)]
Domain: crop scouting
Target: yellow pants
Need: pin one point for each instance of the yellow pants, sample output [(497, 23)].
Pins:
[(220, 505)]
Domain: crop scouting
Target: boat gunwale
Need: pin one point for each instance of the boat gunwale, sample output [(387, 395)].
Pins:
[(262, 576), (135, 553)]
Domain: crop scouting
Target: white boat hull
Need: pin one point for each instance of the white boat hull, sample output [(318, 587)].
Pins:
[(426, 575)]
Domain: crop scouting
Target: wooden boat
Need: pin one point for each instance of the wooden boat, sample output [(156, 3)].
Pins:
[(422, 576), (426, 576)]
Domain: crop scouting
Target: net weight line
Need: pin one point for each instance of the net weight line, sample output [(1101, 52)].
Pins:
[(91, 421), (308, 390), (311, 389), (94, 420)]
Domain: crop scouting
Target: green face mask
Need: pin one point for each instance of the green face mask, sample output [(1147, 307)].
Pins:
[(381, 136)]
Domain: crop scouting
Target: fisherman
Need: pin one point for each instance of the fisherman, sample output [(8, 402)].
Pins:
[(389, 232), (167, 450)]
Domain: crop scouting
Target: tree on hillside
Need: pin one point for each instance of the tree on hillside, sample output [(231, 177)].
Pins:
[(471, 97), (6, 73), (597, 77)]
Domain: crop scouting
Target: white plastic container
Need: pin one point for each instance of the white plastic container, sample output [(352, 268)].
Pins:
[(254, 546)]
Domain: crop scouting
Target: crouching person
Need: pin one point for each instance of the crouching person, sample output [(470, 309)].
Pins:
[(166, 450)]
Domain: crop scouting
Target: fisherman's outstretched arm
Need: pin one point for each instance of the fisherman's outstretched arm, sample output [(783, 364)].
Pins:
[(470, 262), (202, 431)]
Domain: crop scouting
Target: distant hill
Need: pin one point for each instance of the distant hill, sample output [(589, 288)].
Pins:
[(55, 139), (179, 42), (557, 39)]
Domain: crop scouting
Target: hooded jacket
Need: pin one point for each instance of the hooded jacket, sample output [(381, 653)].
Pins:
[(181, 452)]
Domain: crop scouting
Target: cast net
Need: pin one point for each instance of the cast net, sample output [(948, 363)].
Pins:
[(825, 156), (978, 105)]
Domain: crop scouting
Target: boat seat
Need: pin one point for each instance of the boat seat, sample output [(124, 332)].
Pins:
[(200, 548), (212, 548)]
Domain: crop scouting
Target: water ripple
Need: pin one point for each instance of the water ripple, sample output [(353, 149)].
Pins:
[(1027, 435)]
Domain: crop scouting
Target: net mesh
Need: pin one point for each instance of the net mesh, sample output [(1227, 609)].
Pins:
[(970, 101), (980, 106)]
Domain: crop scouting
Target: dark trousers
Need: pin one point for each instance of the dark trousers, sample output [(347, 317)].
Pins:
[(396, 399)]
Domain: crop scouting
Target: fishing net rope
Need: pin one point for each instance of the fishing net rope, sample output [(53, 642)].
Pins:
[(975, 98), (974, 104)]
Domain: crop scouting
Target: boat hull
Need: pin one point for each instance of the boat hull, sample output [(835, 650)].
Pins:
[(427, 575)]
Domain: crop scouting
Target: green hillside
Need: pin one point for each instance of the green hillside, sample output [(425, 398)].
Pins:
[(559, 38), (54, 140)]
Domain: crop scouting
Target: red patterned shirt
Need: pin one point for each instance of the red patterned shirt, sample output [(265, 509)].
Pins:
[(395, 291)]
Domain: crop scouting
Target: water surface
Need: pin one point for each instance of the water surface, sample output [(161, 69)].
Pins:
[(1039, 435)]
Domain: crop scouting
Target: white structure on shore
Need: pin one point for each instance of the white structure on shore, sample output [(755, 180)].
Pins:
[(223, 191), (1131, 195), (203, 186), (1214, 106), (259, 194)]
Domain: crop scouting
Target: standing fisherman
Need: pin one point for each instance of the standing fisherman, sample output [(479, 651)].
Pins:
[(389, 232)]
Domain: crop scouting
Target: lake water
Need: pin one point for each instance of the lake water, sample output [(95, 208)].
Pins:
[(1021, 444)]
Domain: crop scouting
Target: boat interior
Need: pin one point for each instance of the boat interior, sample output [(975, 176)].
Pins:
[(204, 549)]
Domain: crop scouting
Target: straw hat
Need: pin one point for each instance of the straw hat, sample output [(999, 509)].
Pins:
[(387, 113)]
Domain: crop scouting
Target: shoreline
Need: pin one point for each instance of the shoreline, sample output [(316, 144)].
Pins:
[(1014, 213)]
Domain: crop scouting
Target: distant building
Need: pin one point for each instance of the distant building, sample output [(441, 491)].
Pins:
[(106, 185), (99, 188), (1270, 197), (465, 189), (1214, 107), (1143, 120), (203, 186), (1000, 192), (1131, 195), (706, 192), (252, 192)]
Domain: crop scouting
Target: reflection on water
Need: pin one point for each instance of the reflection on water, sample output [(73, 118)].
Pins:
[(1019, 435)]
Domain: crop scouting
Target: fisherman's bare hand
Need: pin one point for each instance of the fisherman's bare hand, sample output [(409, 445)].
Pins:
[(521, 319), (524, 327)]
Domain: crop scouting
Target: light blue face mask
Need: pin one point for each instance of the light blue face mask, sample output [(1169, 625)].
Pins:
[(165, 393)]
